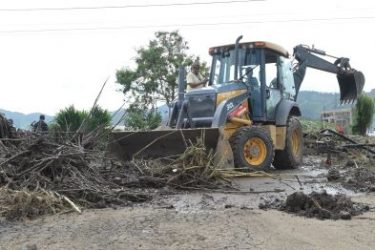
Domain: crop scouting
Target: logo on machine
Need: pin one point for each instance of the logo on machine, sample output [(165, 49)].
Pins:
[(230, 106), (199, 99)]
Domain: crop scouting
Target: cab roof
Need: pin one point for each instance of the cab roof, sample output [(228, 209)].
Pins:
[(256, 44)]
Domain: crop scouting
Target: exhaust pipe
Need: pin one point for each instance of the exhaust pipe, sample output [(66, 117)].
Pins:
[(236, 57)]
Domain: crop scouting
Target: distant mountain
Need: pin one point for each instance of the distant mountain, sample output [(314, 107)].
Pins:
[(372, 93), (117, 117), (312, 103), (23, 121)]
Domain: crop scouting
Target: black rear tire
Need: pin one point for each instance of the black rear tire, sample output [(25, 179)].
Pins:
[(252, 149), (291, 156)]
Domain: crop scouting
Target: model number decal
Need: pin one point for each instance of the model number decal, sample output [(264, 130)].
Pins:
[(230, 106)]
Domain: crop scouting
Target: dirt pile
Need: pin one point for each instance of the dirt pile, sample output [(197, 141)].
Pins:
[(318, 205), (323, 206), (360, 179)]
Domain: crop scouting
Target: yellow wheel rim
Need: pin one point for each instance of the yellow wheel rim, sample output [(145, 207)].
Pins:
[(255, 151), (296, 142)]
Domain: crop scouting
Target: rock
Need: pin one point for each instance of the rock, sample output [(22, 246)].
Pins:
[(262, 206), (117, 180), (350, 163), (324, 214), (345, 215), (296, 201)]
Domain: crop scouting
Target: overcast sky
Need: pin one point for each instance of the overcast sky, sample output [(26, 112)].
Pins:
[(50, 59)]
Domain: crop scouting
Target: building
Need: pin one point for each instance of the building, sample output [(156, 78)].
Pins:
[(342, 118)]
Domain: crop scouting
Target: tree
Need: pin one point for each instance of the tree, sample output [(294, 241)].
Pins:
[(154, 77), (98, 118), (364, 112), (69, 119)]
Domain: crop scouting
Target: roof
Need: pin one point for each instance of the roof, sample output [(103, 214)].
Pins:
[(256, 44), (339, 110)]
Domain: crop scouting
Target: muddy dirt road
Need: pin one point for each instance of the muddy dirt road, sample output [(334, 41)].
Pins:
[(204, 220), (162, 228)]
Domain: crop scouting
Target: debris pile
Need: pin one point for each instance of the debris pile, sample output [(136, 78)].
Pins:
[(350, 159), (194, 169), (37, 164), (312, 133), (318, 205), (88, 178), (6, 128), (346, 147), (27, 204)]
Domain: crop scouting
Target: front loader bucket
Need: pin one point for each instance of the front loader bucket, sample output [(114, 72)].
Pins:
[(351, 84), (159, 143)]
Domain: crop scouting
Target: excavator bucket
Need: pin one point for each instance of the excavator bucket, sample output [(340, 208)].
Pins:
[(351, 84), (159, 143)]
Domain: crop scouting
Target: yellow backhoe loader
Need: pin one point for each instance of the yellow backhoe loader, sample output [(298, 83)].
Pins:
[(248, 112)]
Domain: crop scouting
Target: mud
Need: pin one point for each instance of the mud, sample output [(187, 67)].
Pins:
[(205, 220), (318, 205), (219, 223), (323, 206), (333, 174), (217, 219), (353, 167), (360, 179)]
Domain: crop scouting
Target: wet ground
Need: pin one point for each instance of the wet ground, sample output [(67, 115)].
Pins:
[(252, 191), (223, 219)]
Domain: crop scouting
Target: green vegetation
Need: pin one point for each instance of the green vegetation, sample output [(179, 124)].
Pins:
[(142, 120), (364, 112), (154, 77), (313, 126), (69, 120), (98, 118)]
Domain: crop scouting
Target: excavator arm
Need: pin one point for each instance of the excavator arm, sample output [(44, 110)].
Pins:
[(350, 81)]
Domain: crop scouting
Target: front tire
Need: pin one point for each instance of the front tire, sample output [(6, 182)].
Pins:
[(252, 148), (291, 156)]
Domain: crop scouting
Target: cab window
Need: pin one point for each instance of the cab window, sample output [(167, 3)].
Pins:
[(285, 76)]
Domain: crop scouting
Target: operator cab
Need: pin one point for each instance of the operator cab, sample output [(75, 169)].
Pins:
[(260, 70), (263, 68)]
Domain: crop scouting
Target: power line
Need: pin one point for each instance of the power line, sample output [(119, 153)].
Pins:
[(180, 25), (126, 6)]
